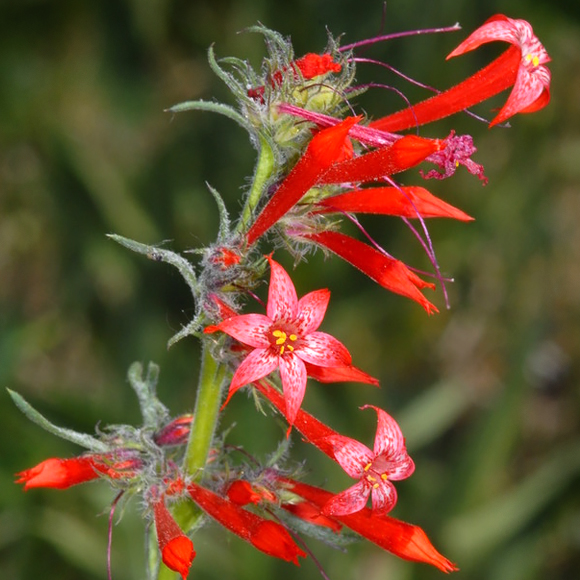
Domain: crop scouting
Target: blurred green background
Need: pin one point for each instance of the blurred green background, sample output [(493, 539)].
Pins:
[(487, 392)]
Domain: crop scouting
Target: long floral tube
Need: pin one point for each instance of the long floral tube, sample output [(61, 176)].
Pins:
[(405, 540), (520, 66), (408, 201), (388, 272), (265, 535), (325, 148)]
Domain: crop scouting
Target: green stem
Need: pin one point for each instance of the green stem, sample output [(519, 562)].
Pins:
[(207, 407), (262, 175)]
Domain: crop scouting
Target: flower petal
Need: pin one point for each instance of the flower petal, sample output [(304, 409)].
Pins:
[(349, 501), (384, 496), (389, 440), (531, 92), (293, 376), (259, 363), (282, 299), (322, 349), (311, 310), (352, 455), (341, 374), (517, 32), (251, 329), (401, 467)]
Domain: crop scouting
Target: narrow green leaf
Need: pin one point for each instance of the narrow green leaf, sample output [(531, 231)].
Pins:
[(161, 255), (211, 107), (82, 439), (152, 410)]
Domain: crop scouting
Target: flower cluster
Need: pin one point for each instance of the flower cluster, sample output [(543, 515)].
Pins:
[(318, 164)]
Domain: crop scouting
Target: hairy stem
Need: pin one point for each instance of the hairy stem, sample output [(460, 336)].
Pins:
[(262, 175)]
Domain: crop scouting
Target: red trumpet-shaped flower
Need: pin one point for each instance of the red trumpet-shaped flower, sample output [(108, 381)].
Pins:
[(284, 338), (325, 149), (390, 273), (521, 66), (409, 201), (176, 548), (388, 460), (265, 535), (405, 540), (375, 469), (64, 473)]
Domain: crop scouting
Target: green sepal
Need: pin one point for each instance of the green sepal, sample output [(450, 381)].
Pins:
[(211, 107), (161, 255), (190, 329), (238, 89), (82, 439), (224, 228), (153, 410)]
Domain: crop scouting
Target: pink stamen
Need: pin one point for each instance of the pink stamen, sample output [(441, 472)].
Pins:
[(384, 37)]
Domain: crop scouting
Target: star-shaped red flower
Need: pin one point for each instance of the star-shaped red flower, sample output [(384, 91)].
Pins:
[(285, 338), (374, 469)]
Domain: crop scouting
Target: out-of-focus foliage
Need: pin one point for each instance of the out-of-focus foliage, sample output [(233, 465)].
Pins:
[(486, 393)]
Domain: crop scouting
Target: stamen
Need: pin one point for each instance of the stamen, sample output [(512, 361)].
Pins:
[(377, 39)]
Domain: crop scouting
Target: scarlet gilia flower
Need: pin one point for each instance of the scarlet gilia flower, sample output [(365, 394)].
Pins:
[(64, 473), (323, 151), (521, 66), (323, 164), (404, 540), (285, 338), (265, 535), (176, 548), (388, 461)]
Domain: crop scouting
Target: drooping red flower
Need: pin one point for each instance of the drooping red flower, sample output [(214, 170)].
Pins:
[(265, 535), (176, 548), (388, 461), (408, 201), (63, 473), (313, 430), (521, 66), (405, 540), (325, 149), (403, 154), (284, 338), (390, 273)]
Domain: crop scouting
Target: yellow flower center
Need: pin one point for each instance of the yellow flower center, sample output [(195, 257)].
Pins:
[(372, 476), (283, 340)]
